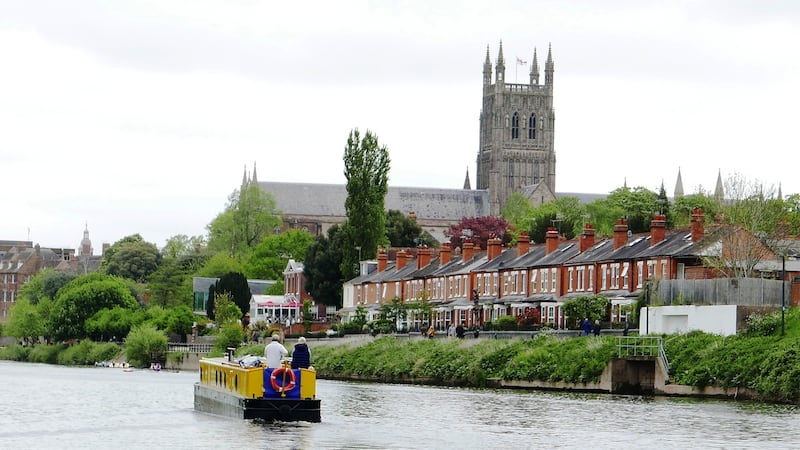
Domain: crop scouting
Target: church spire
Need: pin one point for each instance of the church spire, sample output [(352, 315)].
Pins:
[(780, 194), (467, 185), (535, 69), (244, 177), (487, 69), (255, 178), (678, 186), (719, 191), (548, 68), (500, 70)]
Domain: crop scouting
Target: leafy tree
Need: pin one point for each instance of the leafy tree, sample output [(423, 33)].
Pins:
[(81, 298), (603, 214), (307, 316), (142, 343), (180, 246), (220, 264), (114, 322), (249, 216), (210, 306), (225, 309), (131, 257), (566, 214), (180, 320), (366, 169), (323, 279), (402, 231), (276, 289), (235, 284), (269, 258), (518, 211), (683, 207), (170, 284), (480, 229), (638, 204), (586, 306), (393, 311), (25, 321), (230, 335), (45, 284)]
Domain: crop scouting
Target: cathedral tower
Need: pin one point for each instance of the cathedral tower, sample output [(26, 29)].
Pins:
[(516, 132)]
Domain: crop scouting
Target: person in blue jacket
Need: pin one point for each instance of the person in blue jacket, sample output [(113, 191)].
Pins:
[(587, 327), (301, 355)]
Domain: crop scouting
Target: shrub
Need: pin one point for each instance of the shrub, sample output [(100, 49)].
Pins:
[(505, 323), (761, 325), (47, 354), (15, 353), (142, 343), (230, 335), (77, 355)]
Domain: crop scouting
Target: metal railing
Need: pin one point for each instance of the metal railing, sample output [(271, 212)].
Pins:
[(189, 348), (642, 346)]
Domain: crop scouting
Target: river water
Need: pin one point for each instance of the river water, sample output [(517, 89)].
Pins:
[(63, 407)]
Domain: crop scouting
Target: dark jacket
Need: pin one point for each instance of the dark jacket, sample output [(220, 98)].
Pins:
[(301, 356)]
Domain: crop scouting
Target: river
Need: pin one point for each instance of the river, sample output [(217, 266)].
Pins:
[(47, 406)]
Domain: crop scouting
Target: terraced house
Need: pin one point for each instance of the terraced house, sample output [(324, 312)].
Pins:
[(476, 286)]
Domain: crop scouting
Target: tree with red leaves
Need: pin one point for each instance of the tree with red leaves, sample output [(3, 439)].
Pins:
[(478, 230)]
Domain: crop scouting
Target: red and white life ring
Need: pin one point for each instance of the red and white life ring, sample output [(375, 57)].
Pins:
[(287, 377)]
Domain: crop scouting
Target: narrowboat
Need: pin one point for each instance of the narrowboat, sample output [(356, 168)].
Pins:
[(244, 388)]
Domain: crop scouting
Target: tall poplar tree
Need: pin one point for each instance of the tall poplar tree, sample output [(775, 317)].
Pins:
[(366, 168)]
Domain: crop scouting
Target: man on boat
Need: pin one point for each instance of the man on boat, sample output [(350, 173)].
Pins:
[(301, 355), (274, 352)]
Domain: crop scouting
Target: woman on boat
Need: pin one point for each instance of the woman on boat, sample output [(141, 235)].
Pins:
[(301, 355)]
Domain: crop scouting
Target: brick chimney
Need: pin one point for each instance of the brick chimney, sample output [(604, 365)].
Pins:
[(467, 251), (587, 237), (551, 240), (401, 260), (412, 215), (444, 254), (620, 233), (381, 260), (698, 224), (423, 257), (494, 247), (658, 229), (523, 243)]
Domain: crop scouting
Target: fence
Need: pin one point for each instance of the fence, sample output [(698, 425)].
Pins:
[(642, 346), (189, 348), (722, 291)]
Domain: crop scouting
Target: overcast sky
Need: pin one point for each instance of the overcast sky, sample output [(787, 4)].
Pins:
[(140, 116)]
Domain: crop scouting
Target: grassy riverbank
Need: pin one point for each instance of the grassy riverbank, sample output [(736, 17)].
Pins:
[(759, 359)]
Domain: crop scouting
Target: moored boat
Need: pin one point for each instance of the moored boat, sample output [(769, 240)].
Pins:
[(246, 389)]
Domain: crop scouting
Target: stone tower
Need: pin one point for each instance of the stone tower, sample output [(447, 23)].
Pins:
[(516, 132)]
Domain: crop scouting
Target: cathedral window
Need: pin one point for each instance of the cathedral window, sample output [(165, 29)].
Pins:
[(515, 126), (532, 127)]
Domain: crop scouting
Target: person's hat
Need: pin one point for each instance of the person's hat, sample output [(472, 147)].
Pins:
[(302, 340), (275, 337)]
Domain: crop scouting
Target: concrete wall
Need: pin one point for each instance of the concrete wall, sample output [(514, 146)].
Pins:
[(719, 319)]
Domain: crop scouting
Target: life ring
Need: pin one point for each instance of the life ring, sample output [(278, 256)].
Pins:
[(287, 377)]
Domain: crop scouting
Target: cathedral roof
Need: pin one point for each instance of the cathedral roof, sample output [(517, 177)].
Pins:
[(316, 199)]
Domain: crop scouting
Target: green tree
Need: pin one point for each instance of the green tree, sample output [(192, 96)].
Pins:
[(323, 279), (81, 298), (683, 207), (131, 257), (180, 320), (235, 284), (366, 169), (518, 211), (25, 321), (638, 204), (586, 306), (144, 342), (566, 214), (180, 246), (225, 310), (249, 216), (403, 231), (269, 258), (307, 316), (45, 284), (112, 323), (170, 284), (220, 264)]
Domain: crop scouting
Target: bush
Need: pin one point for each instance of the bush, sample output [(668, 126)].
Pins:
[(142, 343), (77, 355), (230, 335), (15, 353), (761, 325), (505, 323), (46, 354)]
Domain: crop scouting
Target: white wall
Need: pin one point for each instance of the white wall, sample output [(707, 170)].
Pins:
[(717, 319)]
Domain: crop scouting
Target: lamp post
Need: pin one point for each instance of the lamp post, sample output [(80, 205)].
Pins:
[(358, 265)]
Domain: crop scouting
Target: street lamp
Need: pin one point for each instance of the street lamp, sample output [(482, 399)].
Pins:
[(783, 294), (358, 267)]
